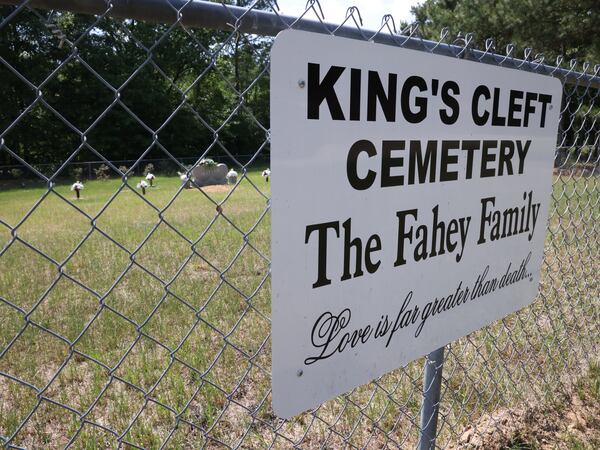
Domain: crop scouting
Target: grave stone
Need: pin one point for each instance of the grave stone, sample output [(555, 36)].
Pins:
[(205, 175)]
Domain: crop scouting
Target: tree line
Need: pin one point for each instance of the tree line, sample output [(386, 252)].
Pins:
[(204, 89), (197, 89), (552, 29)]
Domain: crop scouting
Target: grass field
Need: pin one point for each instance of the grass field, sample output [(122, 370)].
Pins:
[(159, 335), (164, 290)]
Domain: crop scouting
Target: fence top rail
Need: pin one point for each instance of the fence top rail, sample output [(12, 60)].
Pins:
[(205, 14)]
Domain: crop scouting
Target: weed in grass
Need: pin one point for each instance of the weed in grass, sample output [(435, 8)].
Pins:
[(519, 443)]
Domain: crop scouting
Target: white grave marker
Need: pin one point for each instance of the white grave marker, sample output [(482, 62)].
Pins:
[(409, 206)]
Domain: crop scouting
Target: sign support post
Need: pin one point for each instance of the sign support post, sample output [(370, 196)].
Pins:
[(432, 383)]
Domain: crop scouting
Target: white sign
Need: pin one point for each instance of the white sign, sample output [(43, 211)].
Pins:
[(410, 197)]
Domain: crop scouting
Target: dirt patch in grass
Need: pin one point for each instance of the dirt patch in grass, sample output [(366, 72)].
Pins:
[(216, 188), (572, 423)]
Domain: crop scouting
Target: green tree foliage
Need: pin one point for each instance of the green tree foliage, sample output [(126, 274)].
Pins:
[(126, 81), (552, 27), (203, 90), (555, 27)]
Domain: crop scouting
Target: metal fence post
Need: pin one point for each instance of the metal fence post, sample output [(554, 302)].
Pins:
[(432, 382)]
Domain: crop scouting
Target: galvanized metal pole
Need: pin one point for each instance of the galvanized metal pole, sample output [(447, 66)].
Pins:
[(432, 383)]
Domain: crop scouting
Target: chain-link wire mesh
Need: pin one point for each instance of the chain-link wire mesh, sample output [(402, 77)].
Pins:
[(141, 317)]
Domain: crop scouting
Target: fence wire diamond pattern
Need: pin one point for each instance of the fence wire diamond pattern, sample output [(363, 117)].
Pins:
[(143, 321)]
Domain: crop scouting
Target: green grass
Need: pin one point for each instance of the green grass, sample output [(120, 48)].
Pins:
[(141, 333), (174, 296)]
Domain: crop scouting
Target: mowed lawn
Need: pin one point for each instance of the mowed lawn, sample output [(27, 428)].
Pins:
[(155, 331), (152, 277)]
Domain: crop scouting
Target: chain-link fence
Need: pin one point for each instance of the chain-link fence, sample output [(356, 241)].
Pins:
[(92, 169), (134, 316)]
